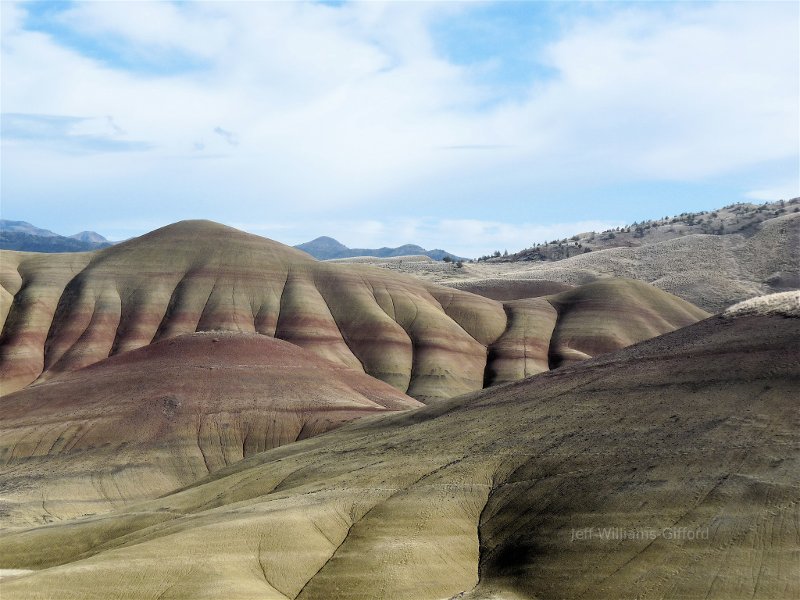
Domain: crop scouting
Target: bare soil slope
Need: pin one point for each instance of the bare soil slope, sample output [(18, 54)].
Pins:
[(710, 271), (426, 340), (511, 289), (743, 219), (201, 276), (145, 422), (500, 494)]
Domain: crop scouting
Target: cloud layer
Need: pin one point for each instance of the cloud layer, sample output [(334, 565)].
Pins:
[(248, 112)]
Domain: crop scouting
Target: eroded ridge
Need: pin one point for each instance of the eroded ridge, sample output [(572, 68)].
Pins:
[(65, 312)]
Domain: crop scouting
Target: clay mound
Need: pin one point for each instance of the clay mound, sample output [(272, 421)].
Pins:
[(611, 314), (670, 466), (590, 320), (524, 348), (201, 276), (540, 333), (426, 340), (511, 289), (142, 423), (31, 286)]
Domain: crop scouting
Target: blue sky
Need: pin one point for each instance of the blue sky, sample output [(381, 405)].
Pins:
[(468, 126)]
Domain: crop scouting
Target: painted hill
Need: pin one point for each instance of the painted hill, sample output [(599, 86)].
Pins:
[(22, 236), (64, 312), (668, 467), (143, 423), (326, 248)]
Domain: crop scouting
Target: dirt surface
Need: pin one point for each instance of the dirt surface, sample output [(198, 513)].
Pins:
[(145, 422), (667, 468)]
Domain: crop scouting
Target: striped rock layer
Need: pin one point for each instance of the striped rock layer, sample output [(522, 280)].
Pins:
[(64, 312), (665, 470), (145, 422)]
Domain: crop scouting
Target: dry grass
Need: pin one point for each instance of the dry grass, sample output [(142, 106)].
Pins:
[(786, 304)]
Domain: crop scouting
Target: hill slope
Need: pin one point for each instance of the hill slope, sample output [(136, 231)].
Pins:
[(511, 289), (757, 253), (145, 422), (64, 312), (669, 467), (742, 219), (711, 271)]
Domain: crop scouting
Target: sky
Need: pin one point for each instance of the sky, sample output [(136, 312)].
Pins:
[(465, 126)]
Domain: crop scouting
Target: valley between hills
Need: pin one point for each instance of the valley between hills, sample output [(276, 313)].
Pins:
[(204, 413)]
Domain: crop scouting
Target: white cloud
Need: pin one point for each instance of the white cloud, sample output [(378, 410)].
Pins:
[(353, 107), (151, 28), (786, 191), (305, 86), (700, 92)]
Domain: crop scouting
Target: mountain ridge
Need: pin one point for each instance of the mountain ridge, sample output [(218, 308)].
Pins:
[(24, 237), (25, 227), (328, 248)]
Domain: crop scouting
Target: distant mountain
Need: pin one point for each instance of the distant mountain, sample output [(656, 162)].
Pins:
[(22, 236), (326, 248), (24, 227), (89, 236)]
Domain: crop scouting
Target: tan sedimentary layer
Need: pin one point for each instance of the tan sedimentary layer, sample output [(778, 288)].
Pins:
[(65, 312), (510, 289), (669, 468), (145, 422)]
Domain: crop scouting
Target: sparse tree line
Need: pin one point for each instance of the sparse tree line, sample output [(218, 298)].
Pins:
[(457, 263), (729, 219)]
